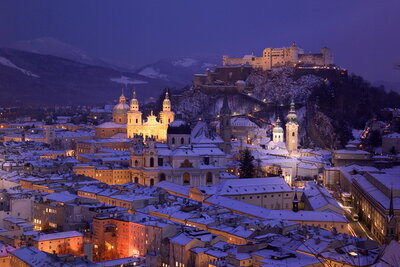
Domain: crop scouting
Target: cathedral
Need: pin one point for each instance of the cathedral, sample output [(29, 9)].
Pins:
[(128, 122)]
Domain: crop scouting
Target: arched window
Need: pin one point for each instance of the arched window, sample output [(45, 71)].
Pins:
[(173, 140), (186, 178), (151, 162), (137, 121), (151, 182), (209, 178), (161, 177), (136, 163), (136, 180), (182, 141), (293, 134)]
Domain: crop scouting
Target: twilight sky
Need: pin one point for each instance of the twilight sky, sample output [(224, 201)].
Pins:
[(363, 34)]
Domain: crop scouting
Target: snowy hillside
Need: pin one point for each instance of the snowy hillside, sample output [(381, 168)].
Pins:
[(281, 87)]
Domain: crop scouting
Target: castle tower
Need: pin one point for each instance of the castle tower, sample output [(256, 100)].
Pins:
[(166, 115), (134, 117), (292, 129), (277, 132), (120, 110), (327, 56), (225, 128)]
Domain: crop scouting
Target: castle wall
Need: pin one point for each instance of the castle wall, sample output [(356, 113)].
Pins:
[(286, 56)]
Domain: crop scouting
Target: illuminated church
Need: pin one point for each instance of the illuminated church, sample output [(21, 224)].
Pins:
[(152, 127), (292, 129), (128, 122)]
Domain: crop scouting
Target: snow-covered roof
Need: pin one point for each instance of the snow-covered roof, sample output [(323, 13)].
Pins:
[(111, 124), (61, 235), (251, 186)]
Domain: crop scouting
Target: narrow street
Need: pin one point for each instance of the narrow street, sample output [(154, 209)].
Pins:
[(356, 228)]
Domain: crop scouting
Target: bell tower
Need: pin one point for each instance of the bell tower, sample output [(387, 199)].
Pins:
[(292, 129), (166, 115), (134, 116), (225, 128)]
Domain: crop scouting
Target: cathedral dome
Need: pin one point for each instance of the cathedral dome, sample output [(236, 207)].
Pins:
[(121, 108), (278, 128)]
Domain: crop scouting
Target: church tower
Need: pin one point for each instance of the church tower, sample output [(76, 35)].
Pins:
[(225, 128), (134, 117), (166, 115), (277, 132), (292, 129), (391, 233)]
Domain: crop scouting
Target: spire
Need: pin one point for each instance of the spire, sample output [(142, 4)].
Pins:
[(166, 94), (278, 121), (134, 94), (122, 98), (225, 107), (134, 102), (391, 209), (292, 117)]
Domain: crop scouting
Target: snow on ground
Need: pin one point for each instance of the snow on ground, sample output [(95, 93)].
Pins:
[(4, 61), (126, 80), (185, 62), (150, 72)]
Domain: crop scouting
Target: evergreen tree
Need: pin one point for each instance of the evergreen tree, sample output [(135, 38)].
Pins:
[(246, 169)]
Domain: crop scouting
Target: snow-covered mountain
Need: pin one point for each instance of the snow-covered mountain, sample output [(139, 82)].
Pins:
[(34, 78), (55, 47), (178, 70)]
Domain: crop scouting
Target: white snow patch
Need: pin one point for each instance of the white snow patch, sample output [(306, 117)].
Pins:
[(126, 80), (150, 72), (4, 61), (207, 65), (185, 62)]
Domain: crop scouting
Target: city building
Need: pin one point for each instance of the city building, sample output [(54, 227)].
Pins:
[(128, 122)]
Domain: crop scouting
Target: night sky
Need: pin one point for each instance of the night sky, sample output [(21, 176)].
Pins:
[(363, 34)]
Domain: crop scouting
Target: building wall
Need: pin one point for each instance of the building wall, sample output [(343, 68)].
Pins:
[(105, 175), (275, 200), (62, 246), (286, 56), (113, 238)]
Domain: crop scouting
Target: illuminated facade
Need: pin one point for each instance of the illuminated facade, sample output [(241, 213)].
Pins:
[(152, 127), (128, 236), (285, 56), (292, 130), (128, 122)]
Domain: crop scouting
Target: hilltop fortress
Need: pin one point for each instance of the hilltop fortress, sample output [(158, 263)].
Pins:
[(233, 73), (285, 56)]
